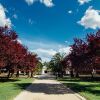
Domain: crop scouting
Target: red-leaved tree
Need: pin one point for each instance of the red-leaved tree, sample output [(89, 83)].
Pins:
[(13, 55)]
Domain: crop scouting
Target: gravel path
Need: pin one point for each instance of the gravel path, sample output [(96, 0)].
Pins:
[(46, 88)]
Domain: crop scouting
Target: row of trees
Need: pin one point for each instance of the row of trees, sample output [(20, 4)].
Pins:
[(84, 57), (14, 56)]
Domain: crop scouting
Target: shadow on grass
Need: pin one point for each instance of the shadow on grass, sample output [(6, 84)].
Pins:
[(84, 88), (22, 86), (81, 79), (8, 80), (83, 84), (45, 88)]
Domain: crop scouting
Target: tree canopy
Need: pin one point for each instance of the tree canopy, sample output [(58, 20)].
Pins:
[(13, 55)]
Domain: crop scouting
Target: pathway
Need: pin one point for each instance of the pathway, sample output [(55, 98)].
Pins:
[(46, 88)]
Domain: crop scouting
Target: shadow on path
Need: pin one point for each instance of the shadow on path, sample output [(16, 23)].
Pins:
[(45, 88), (45, 84)]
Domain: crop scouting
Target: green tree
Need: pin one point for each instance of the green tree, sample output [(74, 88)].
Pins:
[(56, 65), (39, 67)]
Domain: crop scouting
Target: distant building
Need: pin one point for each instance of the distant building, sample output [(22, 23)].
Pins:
[(44, 69)]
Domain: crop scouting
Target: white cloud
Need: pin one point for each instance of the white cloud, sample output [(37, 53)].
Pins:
[(15, 16), (81, 2), (19, 41), (66, 41), (70, 12), (91, 19), (46, 50), (47, 3), (30, 2), (46, 54), (3, 19), (49, 52), (30, 21), (65, 50)]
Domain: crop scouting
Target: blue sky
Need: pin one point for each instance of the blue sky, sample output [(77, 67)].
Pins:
[(49, 26)]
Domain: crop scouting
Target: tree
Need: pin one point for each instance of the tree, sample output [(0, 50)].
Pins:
[(56, 65), (94, 50), (85, 55), (13, 55), (39, 67)]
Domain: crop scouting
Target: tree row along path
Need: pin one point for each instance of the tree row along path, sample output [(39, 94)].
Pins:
[(46, 88)]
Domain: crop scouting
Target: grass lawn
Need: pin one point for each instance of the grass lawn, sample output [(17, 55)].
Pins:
[(87, 87), (9, 88)]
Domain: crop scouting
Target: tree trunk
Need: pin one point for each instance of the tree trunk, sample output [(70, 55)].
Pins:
[(77, 75), (8, 76), (92, 75), (0, 70), (56, 73), (71, 74), (28, 74), (12, 73), (31, 74), (17, 74), (61, 74)]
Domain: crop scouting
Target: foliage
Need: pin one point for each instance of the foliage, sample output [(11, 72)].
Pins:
[(13, 55), (85, 55), (56, 65), (39, 67)]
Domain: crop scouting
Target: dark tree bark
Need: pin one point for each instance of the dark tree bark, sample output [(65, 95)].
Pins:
[(28, 74), (8, 76), (71, 73), (17, 74), (77, 74), (31, 74)]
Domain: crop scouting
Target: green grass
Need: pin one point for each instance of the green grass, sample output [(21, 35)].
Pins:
[(9, 88), (87, 87)]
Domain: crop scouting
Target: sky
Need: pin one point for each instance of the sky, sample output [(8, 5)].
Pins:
[(49, 26)]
